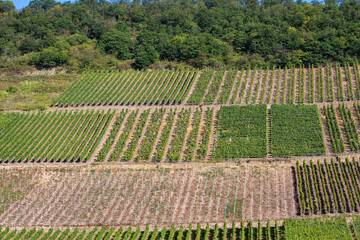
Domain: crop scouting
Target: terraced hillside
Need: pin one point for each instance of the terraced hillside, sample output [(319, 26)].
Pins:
[(250, 154), (177, 87), (186, 134)]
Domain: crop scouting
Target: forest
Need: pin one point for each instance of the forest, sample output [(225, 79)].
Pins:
[(122, 34)]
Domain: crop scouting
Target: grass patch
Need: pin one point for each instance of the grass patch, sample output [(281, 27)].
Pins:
[(32, 92), (317, 228)]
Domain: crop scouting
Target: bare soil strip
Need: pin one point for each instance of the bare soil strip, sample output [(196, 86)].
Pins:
[(115, 196)]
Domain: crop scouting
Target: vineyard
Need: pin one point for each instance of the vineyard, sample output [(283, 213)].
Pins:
[(159, 135), (296, 131), (175, 134), (129, 88), (177, 87), (193, 231), (241, 132), (187, 154), (330, 228), (139, 196), (329, 186), (60, 136)]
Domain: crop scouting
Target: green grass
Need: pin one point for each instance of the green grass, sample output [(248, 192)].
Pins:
[(241, 132), (296, 131), (32, 92), (317, 228)]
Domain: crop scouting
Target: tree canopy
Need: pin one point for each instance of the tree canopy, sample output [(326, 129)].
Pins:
[(218, 33)]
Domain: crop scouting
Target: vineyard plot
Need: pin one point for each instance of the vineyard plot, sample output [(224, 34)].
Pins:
[(342, 124), (53, 136), (158, 135), (317, 228), (328, 187), (15, 185), (128, 87), (165, 87), (116, 196), (250, 230), (241, 132), (296, 131)]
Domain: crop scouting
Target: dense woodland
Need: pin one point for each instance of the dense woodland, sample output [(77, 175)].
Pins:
[(98, 34)]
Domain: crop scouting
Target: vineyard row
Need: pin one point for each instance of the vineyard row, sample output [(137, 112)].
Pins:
[(242, 232), (173, 87), (342, 127), (331, 186), (314, 228)]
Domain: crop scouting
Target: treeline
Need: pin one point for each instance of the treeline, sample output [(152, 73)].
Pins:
[(100, 34)]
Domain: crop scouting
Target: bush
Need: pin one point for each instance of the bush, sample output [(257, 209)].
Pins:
[(50, 58)]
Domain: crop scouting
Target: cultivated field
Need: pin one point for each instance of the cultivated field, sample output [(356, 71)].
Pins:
[(187, 134), (151, 154), (135, 196), (53, 136), (329, 186), (163, 87)]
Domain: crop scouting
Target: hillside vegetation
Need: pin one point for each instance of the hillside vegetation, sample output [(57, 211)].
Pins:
[(91, 34)]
